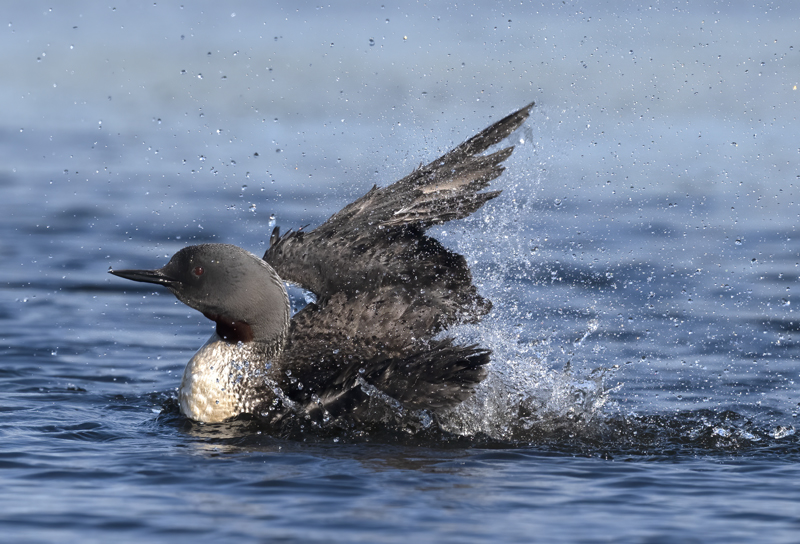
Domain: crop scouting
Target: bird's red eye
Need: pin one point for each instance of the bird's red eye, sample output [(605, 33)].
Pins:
[(198, 270)]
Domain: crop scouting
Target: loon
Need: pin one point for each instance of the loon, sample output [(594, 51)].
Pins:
[(384, 293)]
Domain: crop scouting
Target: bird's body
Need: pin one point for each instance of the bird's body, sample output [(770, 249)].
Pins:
[(384, 292)]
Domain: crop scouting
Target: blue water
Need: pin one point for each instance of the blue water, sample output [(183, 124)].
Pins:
[(642, 260)]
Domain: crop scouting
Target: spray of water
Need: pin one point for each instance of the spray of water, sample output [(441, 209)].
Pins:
[(524, 395)]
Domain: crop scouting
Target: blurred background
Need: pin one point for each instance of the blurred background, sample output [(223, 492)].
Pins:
[(658, 101)]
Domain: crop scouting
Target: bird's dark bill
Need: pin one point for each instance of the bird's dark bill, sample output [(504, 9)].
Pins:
[(147, 276)]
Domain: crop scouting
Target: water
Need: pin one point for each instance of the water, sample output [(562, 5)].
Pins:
[(642, 260)]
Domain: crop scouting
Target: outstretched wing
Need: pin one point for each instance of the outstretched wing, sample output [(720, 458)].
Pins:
[(441, 191), (385, 289)]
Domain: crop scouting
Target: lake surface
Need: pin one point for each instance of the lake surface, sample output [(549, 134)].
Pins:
[(643, 262)]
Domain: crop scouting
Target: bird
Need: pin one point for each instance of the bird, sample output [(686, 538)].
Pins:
[(375, 340)]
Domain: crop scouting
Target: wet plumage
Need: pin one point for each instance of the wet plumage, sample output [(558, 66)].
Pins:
[(385, 291)]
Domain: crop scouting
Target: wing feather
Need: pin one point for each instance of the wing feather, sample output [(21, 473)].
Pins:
[(385, 289)]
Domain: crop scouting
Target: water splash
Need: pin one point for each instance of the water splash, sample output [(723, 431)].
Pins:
[(524, 395)]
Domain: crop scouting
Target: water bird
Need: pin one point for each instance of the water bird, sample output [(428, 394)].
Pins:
[(384, 292)]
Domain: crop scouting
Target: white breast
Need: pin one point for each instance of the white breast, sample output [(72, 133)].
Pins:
[(215, 382)]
